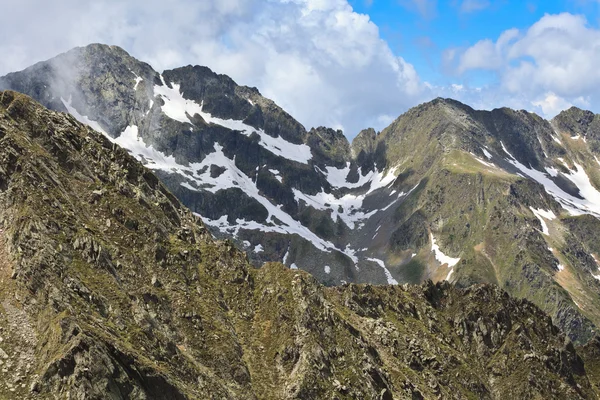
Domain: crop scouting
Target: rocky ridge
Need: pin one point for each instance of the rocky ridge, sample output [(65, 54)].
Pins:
[(111, 288), (444, 193)]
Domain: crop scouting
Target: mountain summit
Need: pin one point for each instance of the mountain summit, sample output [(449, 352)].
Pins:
[(444, 193), (111, 288)]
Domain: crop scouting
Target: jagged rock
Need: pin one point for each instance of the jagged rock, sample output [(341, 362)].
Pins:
[(234, 332), (452, 180)]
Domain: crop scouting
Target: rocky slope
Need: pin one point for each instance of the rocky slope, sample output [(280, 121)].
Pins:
[(110, 288), (444, 193)]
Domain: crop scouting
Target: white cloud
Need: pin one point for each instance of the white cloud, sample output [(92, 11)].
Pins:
[(320, 60), (486, 54), (552, 64), (551, 104)]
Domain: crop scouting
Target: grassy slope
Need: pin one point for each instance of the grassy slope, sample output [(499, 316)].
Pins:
[(127, 294)]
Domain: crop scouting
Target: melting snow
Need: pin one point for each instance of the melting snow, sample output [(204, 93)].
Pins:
[(487, 154), (348, 206), (351, 253), (591, 197), (541, 214), (441, 257), (553, 172), (178, 108), (247, 243), (232, 177), (138, 79), (388, 275), (276, 174), (287, 254), (327, 269), (82, 118), (258, 248), (337, 178), (293, 266)]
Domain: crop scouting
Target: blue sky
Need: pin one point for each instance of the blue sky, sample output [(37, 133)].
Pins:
[(420, 33), (347, 64)]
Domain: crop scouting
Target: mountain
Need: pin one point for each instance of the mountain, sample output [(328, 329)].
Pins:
[(445, 192), (111, 288)]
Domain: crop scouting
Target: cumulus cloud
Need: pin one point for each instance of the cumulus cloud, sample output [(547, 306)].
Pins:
[(320, 60), (552, 64), (551, 104)]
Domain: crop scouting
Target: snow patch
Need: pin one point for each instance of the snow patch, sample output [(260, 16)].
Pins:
[(541, 215), (598, 264), (350, 252), (337, 178), (138, 79), (553, 172), (286, 255), (388, 275), (82, 118), (178, 108), (441, 257), (327, 269), (258, 248), (231, 177), (276, 175), (590, 204), (349, 207)]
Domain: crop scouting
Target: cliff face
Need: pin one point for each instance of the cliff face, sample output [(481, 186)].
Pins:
[(110, 288), (445, 192)]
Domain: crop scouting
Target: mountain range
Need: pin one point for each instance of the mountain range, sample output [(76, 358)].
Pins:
[(445, 193), (110, 288)]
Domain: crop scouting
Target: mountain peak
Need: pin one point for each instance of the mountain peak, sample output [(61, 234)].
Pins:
[(417, 201), (110, 287), (578, 122)]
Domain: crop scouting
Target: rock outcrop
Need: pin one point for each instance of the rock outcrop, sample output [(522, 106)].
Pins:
[(110, 288), (445, 192)]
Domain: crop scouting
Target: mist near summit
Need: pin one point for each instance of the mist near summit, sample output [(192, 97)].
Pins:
[(338, 63)]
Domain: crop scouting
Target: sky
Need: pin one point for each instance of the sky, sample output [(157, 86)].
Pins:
[(346, 64)]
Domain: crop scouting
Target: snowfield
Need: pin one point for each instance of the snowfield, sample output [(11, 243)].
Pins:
[(180, 109)]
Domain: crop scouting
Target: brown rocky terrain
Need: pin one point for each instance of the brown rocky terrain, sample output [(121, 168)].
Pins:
[(111, 289)]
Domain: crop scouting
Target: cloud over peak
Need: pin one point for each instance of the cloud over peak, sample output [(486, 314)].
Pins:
[(319, 59), (553, 63)]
